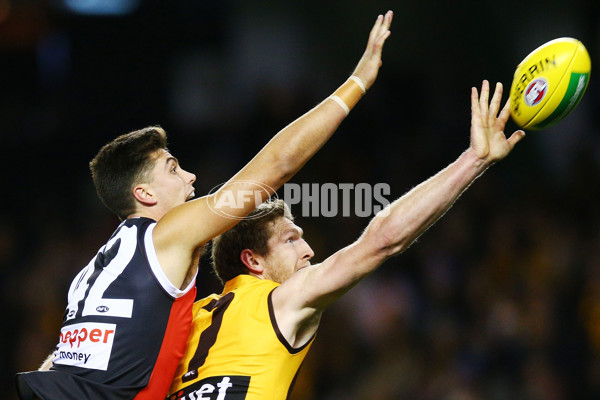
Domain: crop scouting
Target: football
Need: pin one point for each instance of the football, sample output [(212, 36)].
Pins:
[(549, 83)]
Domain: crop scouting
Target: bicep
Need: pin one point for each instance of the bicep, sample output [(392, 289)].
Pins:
[(299, 302), (180, 235)]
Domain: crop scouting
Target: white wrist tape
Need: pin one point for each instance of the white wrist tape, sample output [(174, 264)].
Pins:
[(360, 83), (341, 103)]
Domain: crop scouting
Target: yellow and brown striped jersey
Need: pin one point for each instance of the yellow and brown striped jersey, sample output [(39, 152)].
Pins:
[(235, 350)]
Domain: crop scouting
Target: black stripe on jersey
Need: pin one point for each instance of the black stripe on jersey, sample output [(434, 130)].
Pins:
[(280, 336), (209, 336)]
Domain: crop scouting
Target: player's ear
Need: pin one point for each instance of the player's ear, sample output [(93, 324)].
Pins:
[(143, 194), (251, 262)]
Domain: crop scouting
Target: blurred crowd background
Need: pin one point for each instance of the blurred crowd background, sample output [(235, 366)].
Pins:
[(499, 300)]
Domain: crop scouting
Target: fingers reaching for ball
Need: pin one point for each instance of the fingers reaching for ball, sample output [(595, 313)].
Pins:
[(487, 125)]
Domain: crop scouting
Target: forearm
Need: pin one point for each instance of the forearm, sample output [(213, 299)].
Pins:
[(293, 146), (274, 165), (277, 162), (407, 218), (395, 228), (286, 153), (392, 231)]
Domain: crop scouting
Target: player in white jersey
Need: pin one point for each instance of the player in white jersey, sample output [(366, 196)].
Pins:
[(129, 310)]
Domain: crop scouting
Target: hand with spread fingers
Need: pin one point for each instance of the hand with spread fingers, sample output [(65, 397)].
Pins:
[(488, 141)]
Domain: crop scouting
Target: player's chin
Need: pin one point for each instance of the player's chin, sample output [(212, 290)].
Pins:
[(190, 197)]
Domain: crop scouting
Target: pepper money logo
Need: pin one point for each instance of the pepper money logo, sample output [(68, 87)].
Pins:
[(236, 195)]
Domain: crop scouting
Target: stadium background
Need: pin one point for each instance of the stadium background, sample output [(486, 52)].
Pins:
[(500, 300)]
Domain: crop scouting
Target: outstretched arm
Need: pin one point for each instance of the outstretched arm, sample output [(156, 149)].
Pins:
[(416, 211), (182, 231), (299, 301)]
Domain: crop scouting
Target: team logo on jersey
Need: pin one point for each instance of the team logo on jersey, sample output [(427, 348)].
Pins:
[(85, 345), (215, 388), (536, 91)]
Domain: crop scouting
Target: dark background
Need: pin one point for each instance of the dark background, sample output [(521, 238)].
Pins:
[(499, 300)]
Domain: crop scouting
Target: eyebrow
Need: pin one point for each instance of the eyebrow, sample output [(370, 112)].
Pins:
[(293, 229), (171, 159)]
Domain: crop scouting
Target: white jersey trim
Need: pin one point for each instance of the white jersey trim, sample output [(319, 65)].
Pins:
[(157, 269)]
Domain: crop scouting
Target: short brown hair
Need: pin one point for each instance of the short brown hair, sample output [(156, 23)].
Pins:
[(123, 163), (253, 232)]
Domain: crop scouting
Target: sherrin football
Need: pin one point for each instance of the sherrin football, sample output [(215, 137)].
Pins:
[(549, 83)]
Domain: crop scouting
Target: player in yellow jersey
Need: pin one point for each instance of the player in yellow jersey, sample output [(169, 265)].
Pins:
[(128, 343), (249, 341), (236, 350)]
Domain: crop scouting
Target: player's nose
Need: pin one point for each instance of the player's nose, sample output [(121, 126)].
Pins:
[(308, 252), (191, 177)]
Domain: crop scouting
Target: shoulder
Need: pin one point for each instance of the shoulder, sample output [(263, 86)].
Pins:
[(252, 292), (246, 284)]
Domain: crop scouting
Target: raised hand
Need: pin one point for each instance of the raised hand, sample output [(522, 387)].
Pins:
[(369, 64), (488, 141)]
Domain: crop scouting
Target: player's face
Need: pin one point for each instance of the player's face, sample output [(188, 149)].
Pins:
[(288, 251), (171, 184)]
